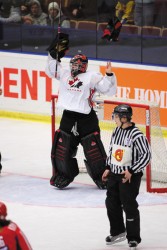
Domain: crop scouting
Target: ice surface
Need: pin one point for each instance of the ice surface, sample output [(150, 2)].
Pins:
[(70, 219)]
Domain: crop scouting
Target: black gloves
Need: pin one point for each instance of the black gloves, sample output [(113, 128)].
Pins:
[(59, 46), (112, 30)]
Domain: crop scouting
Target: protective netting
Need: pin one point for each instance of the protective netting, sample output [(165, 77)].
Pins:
[(159, 151), (104, 107)]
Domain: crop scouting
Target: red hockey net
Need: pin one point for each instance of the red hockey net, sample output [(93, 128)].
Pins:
[(146, 117)]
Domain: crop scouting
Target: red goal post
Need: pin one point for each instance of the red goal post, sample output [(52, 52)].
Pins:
[(146, 117)]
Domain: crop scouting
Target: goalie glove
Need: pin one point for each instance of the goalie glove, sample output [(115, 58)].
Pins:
[(112, 30), (59, 46)]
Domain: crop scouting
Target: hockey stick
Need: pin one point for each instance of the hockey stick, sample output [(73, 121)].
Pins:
[(57, 56), (58, 35)]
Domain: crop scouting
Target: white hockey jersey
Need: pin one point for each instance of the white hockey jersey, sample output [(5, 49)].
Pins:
[(75, 94)]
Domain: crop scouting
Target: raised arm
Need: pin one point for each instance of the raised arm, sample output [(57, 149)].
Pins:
[(108, 84)]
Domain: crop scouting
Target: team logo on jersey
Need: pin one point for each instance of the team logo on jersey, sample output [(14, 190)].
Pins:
[(75, 83), (119, 154)]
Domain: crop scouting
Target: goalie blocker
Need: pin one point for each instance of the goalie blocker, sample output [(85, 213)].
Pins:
[(64, 163)]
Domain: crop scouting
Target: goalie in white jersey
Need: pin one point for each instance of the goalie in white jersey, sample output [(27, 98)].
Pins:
[(79, 123), (129, 154)]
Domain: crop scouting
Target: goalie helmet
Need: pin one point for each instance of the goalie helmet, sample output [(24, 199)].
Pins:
[(3, 210), (123, 110), (78, 64)]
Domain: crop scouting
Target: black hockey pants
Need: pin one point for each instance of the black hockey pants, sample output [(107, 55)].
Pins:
[(85, 125), (122, 197)]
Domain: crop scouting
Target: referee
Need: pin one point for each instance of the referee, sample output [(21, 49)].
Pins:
[(129, 154)]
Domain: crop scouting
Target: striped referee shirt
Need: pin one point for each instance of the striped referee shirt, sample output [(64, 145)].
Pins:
[(129, 150)]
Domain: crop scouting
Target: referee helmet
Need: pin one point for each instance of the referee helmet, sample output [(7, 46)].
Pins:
[(123, 111)]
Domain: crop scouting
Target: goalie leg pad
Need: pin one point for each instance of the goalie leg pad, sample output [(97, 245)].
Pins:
[(95, 157), (65, 168)]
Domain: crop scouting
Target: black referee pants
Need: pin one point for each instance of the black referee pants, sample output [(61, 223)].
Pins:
[(122, 197)]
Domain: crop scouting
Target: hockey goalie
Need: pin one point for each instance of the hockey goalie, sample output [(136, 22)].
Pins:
[(79, 123)]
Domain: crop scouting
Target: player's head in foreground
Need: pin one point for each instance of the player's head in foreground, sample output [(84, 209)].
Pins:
[(3, 211), (78, 64), (122, 114)]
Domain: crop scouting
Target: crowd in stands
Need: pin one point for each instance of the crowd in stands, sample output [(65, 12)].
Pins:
[(31, 12), (47, 12)]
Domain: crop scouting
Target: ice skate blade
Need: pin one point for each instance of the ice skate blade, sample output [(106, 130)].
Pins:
[(120, 239), (133, 245)]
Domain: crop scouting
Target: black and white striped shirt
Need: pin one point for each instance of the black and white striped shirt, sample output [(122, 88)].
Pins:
[(129, 149)]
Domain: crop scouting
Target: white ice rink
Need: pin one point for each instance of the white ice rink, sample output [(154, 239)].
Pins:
[(70, 219)]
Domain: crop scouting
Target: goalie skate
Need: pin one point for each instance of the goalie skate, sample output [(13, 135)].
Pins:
[(110, 240), (133, 245)]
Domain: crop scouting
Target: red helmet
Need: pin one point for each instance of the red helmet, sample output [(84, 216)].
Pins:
[(78, 64), (3, 210)]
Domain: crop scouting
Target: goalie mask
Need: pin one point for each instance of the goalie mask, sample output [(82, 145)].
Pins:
[(78, 64), (123, 111), (3, 210)]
